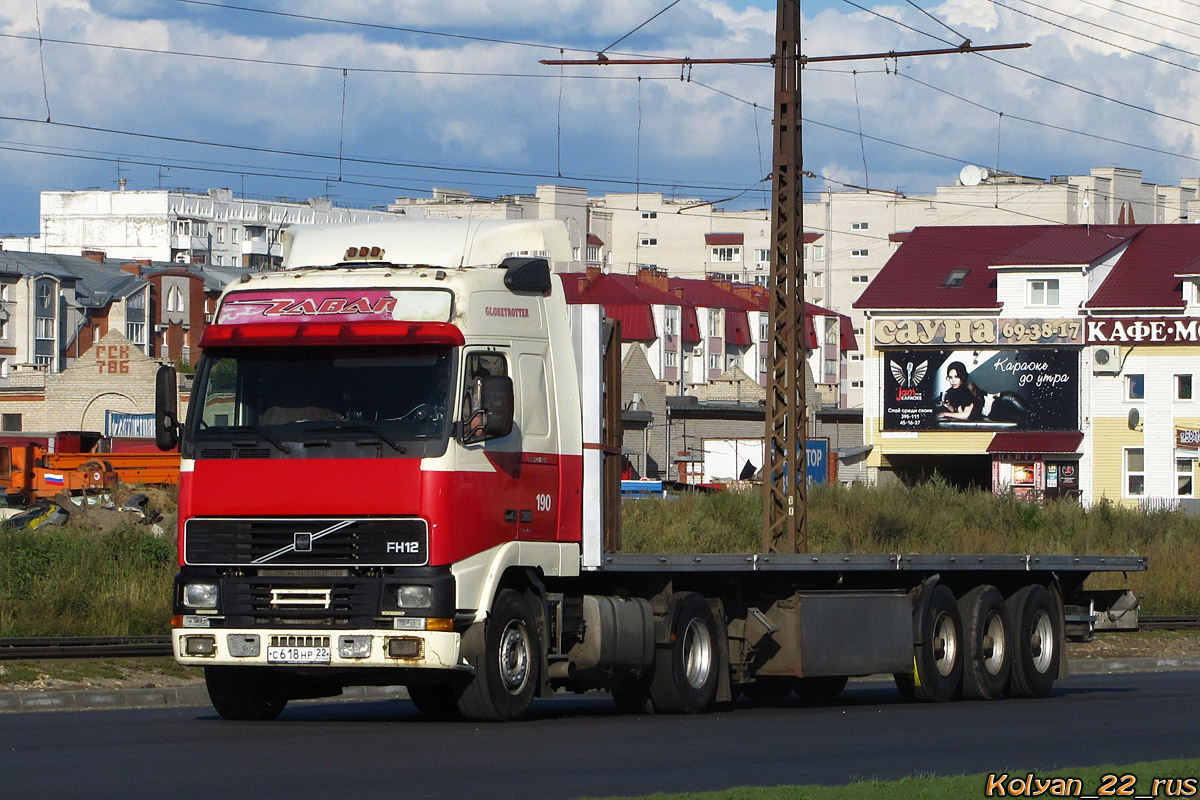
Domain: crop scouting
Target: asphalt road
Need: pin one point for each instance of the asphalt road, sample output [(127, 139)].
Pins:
[(579, 747)]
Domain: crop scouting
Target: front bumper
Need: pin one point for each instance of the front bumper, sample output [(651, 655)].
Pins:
[(369, 648)]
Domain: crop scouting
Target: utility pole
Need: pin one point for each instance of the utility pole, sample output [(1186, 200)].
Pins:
[(785, 491)]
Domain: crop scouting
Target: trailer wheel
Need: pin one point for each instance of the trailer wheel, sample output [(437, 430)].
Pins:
[(686, 670), (937, 661), (987, 633), (1036, 642), (506, 673), (245, 693), (434, 700)]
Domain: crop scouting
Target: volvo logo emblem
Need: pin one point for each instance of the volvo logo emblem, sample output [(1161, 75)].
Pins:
[(302, 542)]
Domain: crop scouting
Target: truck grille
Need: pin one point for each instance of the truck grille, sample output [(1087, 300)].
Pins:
[(259, 601), (306, 542)]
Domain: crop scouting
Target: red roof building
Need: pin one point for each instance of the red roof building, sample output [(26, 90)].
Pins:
[(1044, 360)]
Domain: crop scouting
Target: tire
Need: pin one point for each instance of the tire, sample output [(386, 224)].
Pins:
[(245, 693), (822, 688), (1037, 647), (938, 663), (508, 672), (987, 648), (686, 671), (434, 700), (631, 694)]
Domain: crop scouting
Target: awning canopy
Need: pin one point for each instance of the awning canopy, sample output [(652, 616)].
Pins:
[(1035, 442)]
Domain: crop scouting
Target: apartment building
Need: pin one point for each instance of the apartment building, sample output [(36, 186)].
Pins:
[(176, 225)]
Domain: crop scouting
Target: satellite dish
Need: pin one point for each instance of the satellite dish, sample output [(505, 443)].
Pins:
[(971, 175), (1134, 419)]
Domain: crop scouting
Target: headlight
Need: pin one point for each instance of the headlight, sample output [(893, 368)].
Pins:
[(414, 596), (200, 595)]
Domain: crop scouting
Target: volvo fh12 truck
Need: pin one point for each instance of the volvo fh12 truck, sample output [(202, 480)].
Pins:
[(401, 466)]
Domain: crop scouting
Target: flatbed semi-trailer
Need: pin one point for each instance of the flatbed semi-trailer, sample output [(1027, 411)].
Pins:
[(400, 465)]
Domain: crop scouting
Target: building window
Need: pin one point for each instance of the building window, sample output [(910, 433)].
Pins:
[(43, 294), (43, 362), (818, 279), (714, 323), (670, 321), (762, 256), (831, 367), (1183, 386), (817, 250), (1135, 471), (44, 328), (955, 279), (593, 252), (856, 357), (861, 252), (1043, 292), (3, 367), (1183, 477), (165, 351), (762, 363), (174, 299), (726, 255), (714, 361), (856, 384), (1135, 387), (670, 358), (764, 325), (831, 330), (858, 278), (3, 329), (648, 241), (858, 226), (5, 292), (220, 234), (136, 332), (10, 422), (649, 215), (235, 233)]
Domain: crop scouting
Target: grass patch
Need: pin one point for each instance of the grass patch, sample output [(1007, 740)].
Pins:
[(18, 672), (1091, 779)]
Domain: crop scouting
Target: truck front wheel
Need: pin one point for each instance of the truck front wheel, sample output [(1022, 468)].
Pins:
[(245, 693), (687, 670), (508, 671)]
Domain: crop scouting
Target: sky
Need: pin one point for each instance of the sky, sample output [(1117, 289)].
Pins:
[(366, 101)]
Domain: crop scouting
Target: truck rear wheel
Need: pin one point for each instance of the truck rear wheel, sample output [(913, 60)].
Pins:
[(245, 693), (987, 633), (1036, 642), (508, 671), (686, 671), (937, 661)]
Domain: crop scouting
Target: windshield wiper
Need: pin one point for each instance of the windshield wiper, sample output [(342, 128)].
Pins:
[(259, 431), (355, 427)]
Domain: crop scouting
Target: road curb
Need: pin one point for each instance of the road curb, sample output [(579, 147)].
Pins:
[(197, 695)]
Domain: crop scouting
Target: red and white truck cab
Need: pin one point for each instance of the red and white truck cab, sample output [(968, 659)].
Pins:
[(375, 437)]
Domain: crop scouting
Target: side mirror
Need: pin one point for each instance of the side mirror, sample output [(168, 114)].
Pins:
[(166, 408), (493, 417), (496, 400)]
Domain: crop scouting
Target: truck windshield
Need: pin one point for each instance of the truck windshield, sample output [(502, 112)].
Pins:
[(290, 394)]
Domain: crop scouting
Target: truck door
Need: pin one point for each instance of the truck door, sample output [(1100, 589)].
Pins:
[(536, 415)]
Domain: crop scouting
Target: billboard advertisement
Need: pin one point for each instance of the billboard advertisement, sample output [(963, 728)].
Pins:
[(981, 390)]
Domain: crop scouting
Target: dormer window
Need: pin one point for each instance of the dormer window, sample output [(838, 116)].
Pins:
[(955, 279), (1043, 292)]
